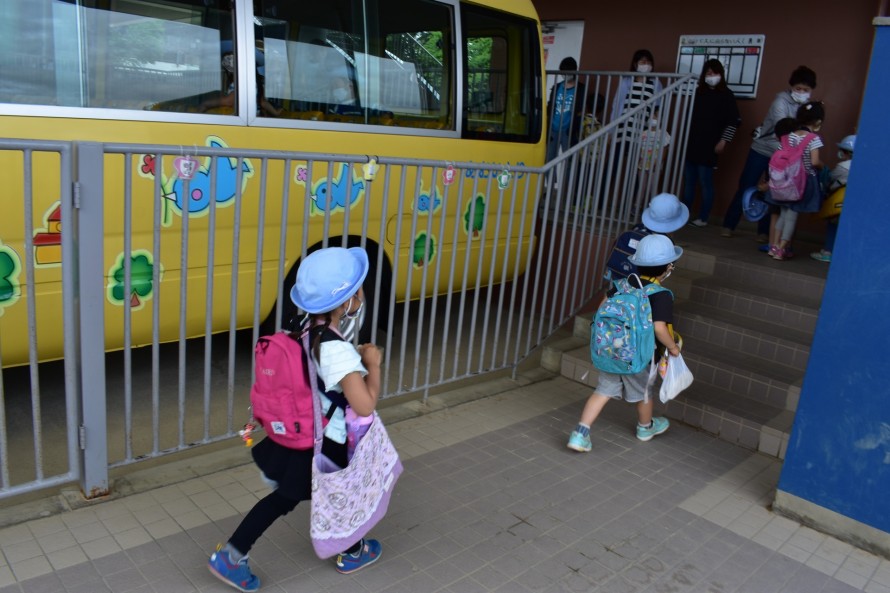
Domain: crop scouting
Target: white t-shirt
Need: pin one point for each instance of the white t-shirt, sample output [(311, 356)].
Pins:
[(337, 359)]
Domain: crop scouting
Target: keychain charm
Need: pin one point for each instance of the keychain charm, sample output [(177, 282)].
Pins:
[(448, 175), (504, 179), (246, 433), (370, 169)]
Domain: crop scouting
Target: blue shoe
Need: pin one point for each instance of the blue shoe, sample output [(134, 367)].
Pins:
[(369, 553), (236, 574), (577, 442), (659, 425)]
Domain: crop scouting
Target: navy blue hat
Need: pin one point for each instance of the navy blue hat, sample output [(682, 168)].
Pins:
[(753, 205)]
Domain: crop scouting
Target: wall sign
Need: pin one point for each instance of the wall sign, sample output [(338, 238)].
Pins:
[(741, 56)]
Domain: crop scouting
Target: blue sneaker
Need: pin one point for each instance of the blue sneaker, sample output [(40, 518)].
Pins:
[(578, 442), (659, 425), (368, 554), (236, 574)]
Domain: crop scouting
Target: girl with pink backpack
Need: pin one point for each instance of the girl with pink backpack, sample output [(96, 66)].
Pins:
[(329, 289)]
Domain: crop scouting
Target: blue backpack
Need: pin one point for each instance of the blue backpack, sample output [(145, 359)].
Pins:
[(622, 336), (618, 264)]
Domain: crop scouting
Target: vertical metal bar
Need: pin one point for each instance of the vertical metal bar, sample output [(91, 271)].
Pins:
[(36, 416), (69, 309), (233, 298), (258, 259), (156, 304), (449, 298), (443, 217), (91, 298), (463, 287), (127, 309), (282, 250), (208, 299), (183, 305), (421, 301), (396, 266), (530, 250)]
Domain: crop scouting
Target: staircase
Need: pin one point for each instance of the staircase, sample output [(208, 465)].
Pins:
[(747, 323)]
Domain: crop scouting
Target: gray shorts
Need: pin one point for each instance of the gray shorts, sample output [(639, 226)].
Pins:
[(631, 388)]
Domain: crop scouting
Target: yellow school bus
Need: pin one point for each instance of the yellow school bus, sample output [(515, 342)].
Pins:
[(446, 80)]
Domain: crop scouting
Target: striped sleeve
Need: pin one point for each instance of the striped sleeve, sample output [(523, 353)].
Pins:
[(728, 133)]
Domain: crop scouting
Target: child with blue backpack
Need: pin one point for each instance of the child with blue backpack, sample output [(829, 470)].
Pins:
[(329, 289), (618, 379)]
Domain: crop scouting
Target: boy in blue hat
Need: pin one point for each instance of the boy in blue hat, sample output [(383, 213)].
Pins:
[(665, 214), (654, 259)]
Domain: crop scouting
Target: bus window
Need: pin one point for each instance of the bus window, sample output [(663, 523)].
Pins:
[(330, 61), (141, 55), (502, 69)]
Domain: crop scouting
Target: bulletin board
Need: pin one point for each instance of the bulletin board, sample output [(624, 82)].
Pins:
[(741, 56)]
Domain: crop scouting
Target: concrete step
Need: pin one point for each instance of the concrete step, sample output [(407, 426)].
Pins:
[(761, 305), (771, 276), (747, 375), (697, 322), (727, 414)]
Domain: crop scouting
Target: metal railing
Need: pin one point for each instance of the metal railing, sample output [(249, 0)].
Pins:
[(490, 266)]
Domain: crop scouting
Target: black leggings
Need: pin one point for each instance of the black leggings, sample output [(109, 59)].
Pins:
[(261, 517)]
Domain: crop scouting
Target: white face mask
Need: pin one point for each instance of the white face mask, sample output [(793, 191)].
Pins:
[(653, 123), (712, 80), (340, 94), (800, 97), (351, 321), (644, 68)]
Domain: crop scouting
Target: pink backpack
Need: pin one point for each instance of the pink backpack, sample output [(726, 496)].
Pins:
[(281, 396), (787, 174)]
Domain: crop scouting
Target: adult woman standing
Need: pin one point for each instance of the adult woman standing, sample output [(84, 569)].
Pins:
[(632, 92), (715, 118), (801, 83)]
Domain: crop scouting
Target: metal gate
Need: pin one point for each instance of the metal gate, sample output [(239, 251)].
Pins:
[(158, 359)]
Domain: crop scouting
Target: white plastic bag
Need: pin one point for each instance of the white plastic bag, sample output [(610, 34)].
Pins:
[(677, 377)]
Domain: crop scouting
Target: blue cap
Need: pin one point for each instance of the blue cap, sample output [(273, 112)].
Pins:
[(327, 278), (753, 205)]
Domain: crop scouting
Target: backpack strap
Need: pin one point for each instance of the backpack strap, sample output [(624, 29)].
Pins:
[(317, 429)]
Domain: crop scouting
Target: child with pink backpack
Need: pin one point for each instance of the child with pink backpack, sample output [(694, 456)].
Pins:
[(794, 196), (329, 289)]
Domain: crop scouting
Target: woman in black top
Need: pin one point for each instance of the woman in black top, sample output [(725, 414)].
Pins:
[(715, 118)]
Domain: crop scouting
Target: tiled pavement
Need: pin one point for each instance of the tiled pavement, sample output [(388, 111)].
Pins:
[(490, 500)]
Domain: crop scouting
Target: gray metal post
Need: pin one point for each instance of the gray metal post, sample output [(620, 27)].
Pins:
[(88, 202)]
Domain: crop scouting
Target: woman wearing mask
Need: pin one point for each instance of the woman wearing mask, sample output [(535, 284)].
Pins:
[(633, 91), (715, 118), (801, 83)]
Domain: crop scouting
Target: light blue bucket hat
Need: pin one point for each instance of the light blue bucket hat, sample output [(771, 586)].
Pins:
[(665, 214), (328, 277), (655, 250)]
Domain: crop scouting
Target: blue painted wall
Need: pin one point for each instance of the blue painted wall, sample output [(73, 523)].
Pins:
[(839, 453)]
